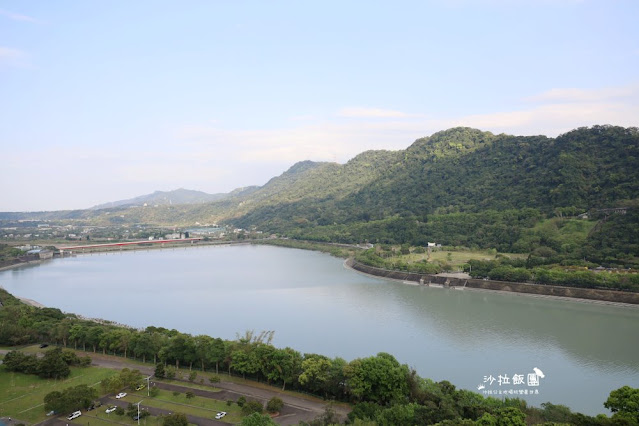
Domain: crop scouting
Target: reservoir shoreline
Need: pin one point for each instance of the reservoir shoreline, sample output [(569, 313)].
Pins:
[(599, 296)]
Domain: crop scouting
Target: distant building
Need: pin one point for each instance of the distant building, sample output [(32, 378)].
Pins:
[(41, 253)]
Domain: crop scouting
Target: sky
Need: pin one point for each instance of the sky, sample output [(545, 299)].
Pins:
[(103, 101)]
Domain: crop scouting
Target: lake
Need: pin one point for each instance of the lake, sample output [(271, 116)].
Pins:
[(474, 339)]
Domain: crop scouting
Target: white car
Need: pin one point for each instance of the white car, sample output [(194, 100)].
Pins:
[(110, 410), (120, 395), (220, 415), (74, 415)]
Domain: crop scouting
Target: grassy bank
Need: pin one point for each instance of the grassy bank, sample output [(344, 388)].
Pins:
[(22, 395)]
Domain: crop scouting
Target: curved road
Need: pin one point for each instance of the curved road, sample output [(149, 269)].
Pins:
[(296, 409)]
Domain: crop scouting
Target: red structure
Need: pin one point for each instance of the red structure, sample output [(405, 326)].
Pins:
[(130, 243)]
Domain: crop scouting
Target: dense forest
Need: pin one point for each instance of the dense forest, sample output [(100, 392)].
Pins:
[(384, 391)]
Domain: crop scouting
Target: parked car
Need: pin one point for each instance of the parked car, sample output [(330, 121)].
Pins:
[(74, 415), (110, 410), (220, 415), (120, 395), (44, 345)]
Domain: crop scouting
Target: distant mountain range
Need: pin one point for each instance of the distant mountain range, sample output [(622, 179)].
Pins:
[(158, 198), (459, 187)]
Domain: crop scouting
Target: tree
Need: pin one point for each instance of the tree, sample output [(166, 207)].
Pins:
[(508, 416), (315, 372), (20, 362), (94, 336), (159, 371), (257, 419), (111, 384), (624, 403), (252, 407), (175, 419), (216, 353), (380, 379), (245, 362), (70, 399), (284, 365), (274, 405), (52, 365), (170, 372), (130, 377), (78, 333), (144, 346)]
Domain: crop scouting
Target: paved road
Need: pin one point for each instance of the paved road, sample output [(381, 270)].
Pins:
[(295, 408)]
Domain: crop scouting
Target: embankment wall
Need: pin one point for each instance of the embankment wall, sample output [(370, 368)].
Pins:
[(537, 289)]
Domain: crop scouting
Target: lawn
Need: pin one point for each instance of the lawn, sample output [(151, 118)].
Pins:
[(453, 257), (192, 385), (196, 406), (22, 395)]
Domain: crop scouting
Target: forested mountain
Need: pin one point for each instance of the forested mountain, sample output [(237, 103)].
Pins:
[(465, 170)]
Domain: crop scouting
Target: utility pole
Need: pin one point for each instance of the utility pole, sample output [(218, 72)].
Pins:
[(138, 404), (148, 386)]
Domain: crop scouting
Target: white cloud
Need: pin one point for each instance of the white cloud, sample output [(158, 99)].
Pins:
[(340, 138), (17, 17), (356, 112)]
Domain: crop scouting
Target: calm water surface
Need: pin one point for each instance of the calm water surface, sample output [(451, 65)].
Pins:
[(315, 305)]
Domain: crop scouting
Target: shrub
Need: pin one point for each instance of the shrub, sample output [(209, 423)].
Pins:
[(252, 407), (160, 371), (274, 405), (169, 372)]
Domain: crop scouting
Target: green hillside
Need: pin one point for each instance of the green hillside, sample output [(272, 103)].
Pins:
[(472, 188)]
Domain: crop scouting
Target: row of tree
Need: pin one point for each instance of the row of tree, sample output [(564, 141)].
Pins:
[(503, 270), (53, 365)]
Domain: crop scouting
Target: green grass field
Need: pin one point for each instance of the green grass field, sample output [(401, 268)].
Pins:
[(197, 406), (22, 395), (453, 257)]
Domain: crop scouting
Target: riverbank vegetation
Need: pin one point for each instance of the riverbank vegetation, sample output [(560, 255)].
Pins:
[(542, 265), (336, 250), (383, 390)]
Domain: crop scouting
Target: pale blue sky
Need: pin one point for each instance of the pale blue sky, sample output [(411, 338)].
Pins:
[(101, 101)]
